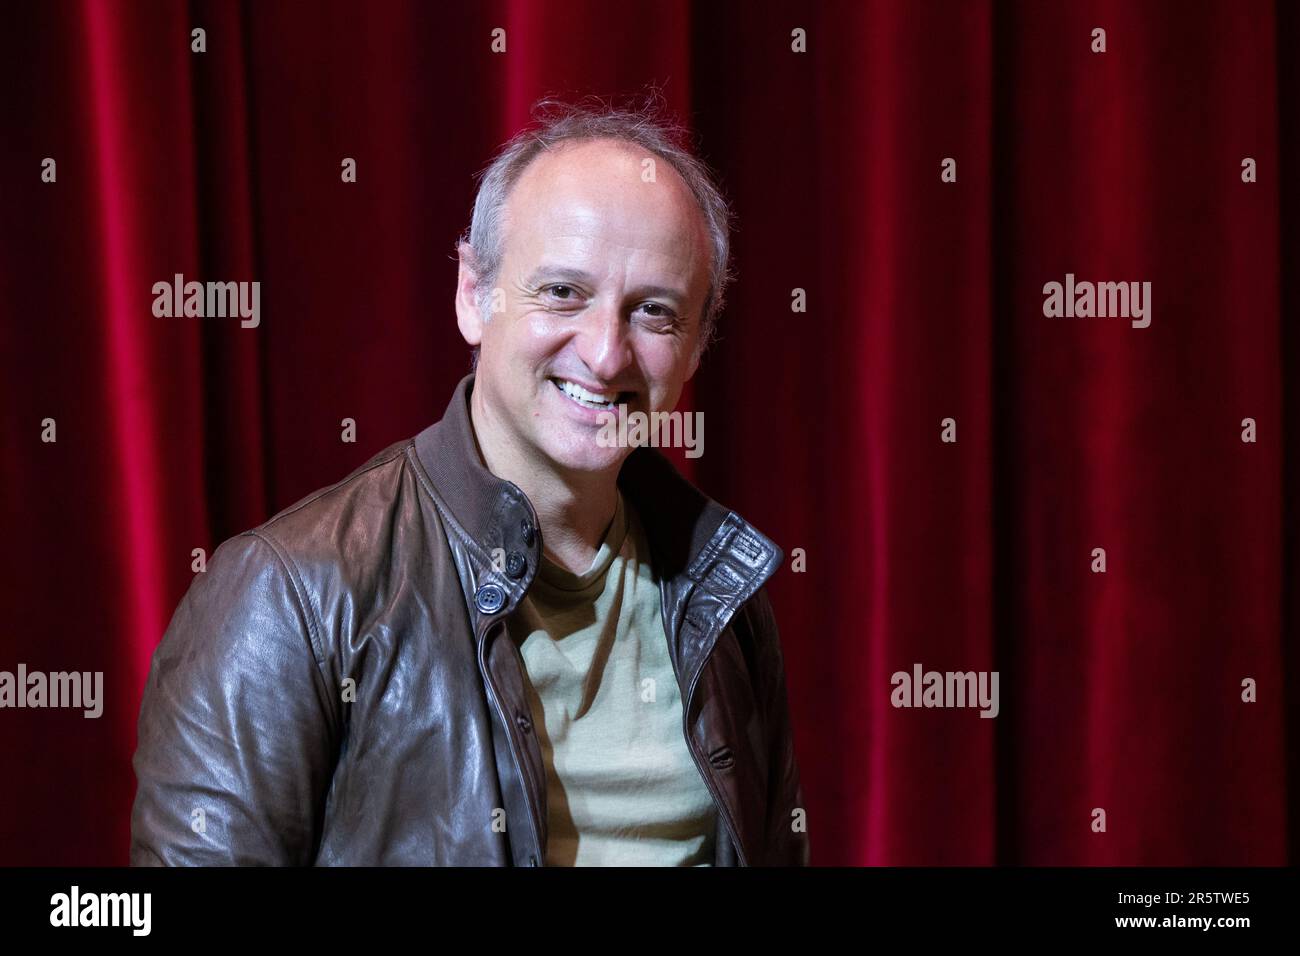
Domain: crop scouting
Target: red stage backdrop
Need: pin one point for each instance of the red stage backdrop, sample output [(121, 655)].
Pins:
[(919, 170)]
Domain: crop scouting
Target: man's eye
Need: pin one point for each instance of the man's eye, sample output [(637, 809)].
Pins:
[(657, 311), (559, 291)]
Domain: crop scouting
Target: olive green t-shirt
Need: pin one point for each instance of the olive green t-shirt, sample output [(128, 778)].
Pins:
[(622, 788)]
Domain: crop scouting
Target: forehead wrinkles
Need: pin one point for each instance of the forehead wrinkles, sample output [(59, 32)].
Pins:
[(585, 231)]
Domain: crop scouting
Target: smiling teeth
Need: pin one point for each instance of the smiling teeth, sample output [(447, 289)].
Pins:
[(593, 399)]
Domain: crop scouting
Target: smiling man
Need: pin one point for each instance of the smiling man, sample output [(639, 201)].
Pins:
[(503, 641)]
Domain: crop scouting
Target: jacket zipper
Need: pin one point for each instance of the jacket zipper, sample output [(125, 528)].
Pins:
[(699, 766), (519, 770)]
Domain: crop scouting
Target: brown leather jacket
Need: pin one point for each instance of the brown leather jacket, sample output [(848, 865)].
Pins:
[(334, 689)]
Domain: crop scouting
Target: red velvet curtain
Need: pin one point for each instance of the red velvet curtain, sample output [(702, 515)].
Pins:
[(924, 301)]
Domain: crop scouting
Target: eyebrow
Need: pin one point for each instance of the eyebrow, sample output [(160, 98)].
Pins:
[(560, 273), (568, 274)]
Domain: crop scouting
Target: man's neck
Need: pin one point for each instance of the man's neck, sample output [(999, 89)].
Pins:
[(575, 509)]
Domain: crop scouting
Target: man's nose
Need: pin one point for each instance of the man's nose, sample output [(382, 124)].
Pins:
[(604, 343)]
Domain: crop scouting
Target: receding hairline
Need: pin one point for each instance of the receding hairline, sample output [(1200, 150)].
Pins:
[(556, 150)]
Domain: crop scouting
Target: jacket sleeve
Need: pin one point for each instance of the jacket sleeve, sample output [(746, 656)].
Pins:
[(235, 742), (787, 836)]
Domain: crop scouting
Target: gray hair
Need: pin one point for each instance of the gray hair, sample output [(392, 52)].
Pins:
[(646, 127)]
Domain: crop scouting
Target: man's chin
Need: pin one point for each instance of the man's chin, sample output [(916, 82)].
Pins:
[(583, 454)]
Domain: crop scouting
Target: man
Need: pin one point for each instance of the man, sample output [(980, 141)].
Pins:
[(503, 641)]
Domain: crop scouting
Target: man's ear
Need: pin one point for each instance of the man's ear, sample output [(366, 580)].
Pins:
[(468, 317), (695, 364), (696, 353)]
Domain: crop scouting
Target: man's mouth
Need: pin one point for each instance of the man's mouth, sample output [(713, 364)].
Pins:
[(601, 401)]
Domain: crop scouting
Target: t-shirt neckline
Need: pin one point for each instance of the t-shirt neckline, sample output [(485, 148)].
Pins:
[(561, 579)]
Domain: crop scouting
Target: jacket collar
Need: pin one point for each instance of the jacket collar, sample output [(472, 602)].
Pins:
[(696, 544)]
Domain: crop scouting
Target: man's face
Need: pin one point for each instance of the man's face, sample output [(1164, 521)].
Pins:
[(602, 282)]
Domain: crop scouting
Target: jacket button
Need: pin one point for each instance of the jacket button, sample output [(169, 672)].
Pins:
[(516, 565), (490, 598), (526, 528), (524, 723)]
